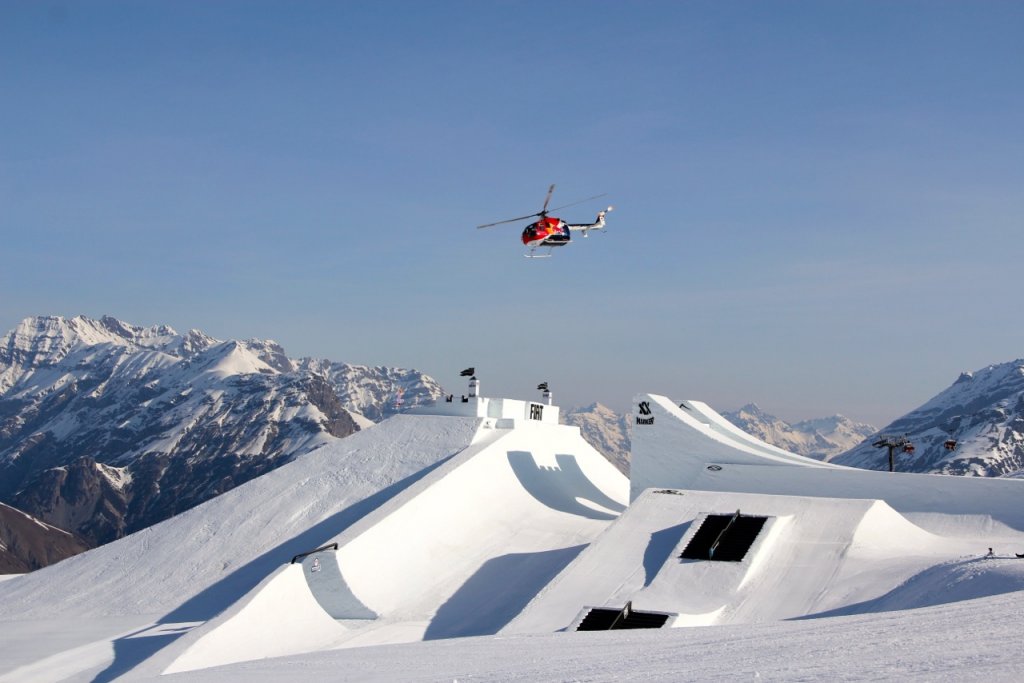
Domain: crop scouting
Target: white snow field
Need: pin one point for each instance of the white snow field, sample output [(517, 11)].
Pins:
[(469, 544)]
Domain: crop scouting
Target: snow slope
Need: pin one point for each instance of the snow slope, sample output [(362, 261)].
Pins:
[(460, 553), (509, 530), (964, 641), (811, 557), (192, 566)]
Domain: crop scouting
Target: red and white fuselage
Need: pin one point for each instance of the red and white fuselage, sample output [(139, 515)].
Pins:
[(554, 232), (550, 231)]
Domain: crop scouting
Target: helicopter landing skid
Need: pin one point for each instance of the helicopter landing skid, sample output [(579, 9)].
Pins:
[(532, 255)]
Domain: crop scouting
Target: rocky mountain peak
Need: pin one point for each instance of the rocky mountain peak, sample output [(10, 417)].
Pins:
[(271, 353), (192, 342), (596, 409), (753, 409)]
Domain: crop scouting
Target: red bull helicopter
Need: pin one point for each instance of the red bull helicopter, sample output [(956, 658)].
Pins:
[(551, 232)]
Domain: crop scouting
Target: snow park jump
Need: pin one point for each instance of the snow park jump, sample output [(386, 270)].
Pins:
[(486, 517)]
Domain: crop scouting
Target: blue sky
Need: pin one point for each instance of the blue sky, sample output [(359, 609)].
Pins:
[(818, 204)]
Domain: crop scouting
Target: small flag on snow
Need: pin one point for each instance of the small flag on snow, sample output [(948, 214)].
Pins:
[(543, 386), (467, 372)]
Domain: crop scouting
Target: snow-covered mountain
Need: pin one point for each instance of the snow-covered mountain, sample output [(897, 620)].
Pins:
[(981, 415), (819, 438), (107, 427)]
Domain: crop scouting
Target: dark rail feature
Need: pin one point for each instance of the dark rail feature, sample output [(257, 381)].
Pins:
[(724, 538), (332, 546)]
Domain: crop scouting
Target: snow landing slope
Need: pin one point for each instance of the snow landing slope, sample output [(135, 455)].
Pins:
[(446, 526), (194, 565), (459, 554)]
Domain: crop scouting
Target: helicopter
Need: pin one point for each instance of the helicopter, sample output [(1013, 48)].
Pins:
[(548, 231)]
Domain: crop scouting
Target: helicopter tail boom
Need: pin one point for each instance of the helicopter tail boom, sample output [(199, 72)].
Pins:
[(598, 224)]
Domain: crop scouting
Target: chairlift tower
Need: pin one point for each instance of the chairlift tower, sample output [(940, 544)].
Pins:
[(892, 443)]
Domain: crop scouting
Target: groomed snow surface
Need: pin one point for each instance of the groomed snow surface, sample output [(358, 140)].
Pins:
[(468, 547)]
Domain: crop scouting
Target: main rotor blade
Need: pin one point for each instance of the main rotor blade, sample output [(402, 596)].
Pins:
[(510, 220), (546, 200), (542, 212), (566, 206)]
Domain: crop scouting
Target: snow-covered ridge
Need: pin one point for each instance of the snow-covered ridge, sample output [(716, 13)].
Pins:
[(119, 477), (49, 338)]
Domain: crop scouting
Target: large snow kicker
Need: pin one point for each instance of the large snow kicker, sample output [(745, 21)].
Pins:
[(459, 553)]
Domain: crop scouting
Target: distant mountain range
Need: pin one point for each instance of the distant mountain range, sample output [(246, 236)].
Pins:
[(821, 438), (107, 427)]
